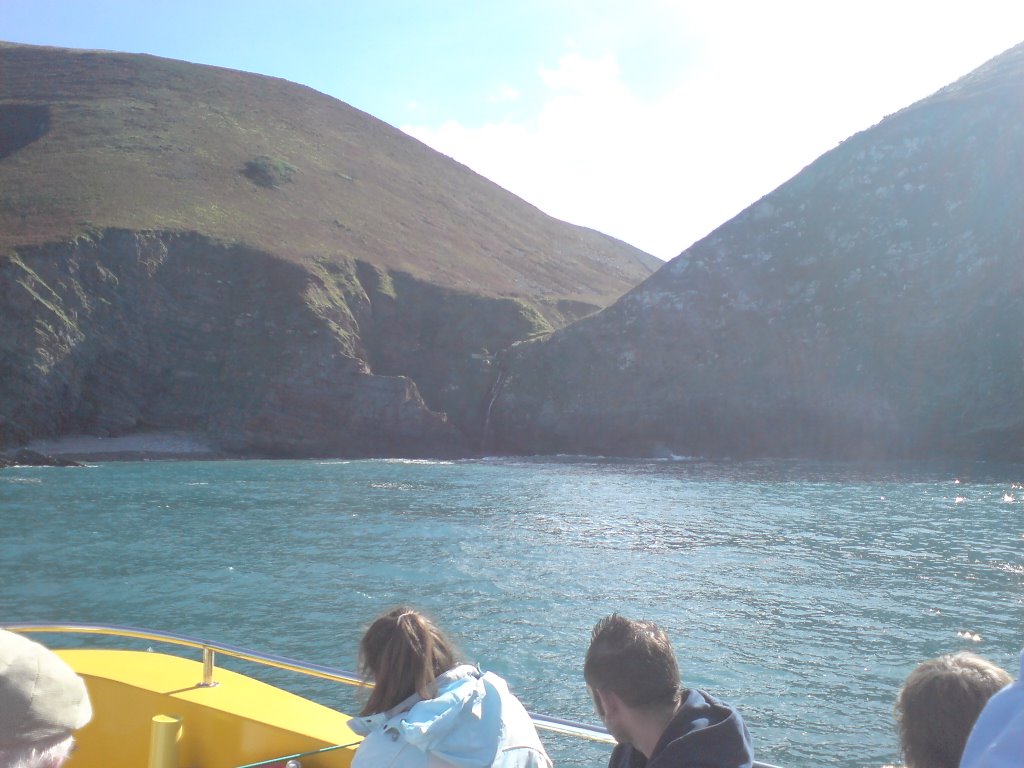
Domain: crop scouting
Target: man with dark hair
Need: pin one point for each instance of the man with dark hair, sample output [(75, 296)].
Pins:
[(633, 677)]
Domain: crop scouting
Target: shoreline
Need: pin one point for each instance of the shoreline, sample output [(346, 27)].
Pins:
[(147, 446)]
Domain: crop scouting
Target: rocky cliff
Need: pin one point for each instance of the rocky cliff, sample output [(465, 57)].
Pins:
[(192, 248), (872, 306), (129, 331)]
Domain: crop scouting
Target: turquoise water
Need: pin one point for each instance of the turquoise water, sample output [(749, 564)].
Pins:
[(802, 593)]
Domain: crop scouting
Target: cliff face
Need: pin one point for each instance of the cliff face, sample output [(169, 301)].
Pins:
[(127, 331), (185, 247), (871, 306)]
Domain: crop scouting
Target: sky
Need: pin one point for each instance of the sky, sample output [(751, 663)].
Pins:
[(653, 121)]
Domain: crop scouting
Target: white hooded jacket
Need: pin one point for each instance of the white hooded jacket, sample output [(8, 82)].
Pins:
[(473, 721)]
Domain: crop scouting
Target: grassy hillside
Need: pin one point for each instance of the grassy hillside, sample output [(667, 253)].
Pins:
[(97, 140)]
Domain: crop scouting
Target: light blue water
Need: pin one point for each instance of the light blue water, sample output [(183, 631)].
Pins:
[(802, 593)]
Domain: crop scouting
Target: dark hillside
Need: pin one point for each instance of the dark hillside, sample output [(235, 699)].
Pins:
[(872, 306), (212, 251)]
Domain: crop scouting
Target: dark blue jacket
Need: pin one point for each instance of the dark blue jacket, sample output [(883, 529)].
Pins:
[(707, 733)]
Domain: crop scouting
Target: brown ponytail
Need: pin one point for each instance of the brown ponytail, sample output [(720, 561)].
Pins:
[(404, 652)]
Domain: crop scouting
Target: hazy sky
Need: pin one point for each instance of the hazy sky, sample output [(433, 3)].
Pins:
[(651, 120)]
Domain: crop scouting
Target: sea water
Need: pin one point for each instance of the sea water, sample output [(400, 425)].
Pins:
[(802, 593)]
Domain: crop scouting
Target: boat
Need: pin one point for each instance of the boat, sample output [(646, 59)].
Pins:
[(165, 710), (162, 709)]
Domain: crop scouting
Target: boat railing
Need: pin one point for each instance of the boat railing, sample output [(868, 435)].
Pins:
[(209, 650)]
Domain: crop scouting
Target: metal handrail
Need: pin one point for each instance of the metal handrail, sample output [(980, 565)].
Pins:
[(207, 647), (546, 722)]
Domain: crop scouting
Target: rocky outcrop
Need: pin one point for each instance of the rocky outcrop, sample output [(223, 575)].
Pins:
[(872, 306), (25, 457), (448, 342)]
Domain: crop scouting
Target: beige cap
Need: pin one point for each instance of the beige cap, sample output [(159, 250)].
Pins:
[(42, 700)]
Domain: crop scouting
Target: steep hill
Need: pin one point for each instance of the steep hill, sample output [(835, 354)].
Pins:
[(106, 140), (199, 248), (871, 306)]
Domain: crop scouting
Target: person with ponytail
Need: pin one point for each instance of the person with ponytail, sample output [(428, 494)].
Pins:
[(427, 708)]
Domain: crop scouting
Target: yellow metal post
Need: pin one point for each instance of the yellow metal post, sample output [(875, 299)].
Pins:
[(164, 735)]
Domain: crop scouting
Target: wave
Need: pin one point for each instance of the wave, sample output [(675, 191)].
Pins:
[(428, 462)]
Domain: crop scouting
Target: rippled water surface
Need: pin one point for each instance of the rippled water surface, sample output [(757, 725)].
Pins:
[(802, 593)]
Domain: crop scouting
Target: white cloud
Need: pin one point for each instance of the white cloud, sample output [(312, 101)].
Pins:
[(781, 84), (504, 94), (582, 158), (581, 75), (657, 175)]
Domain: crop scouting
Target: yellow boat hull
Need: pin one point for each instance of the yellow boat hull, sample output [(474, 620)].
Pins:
[(237, 721)]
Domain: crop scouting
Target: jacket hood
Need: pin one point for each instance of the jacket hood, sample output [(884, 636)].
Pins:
[(430, 724), (997, 738), (706, 732)]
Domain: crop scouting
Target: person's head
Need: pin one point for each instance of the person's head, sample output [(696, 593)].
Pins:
[(938, 704), (634, 660), (403, 652), (42, 703)]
